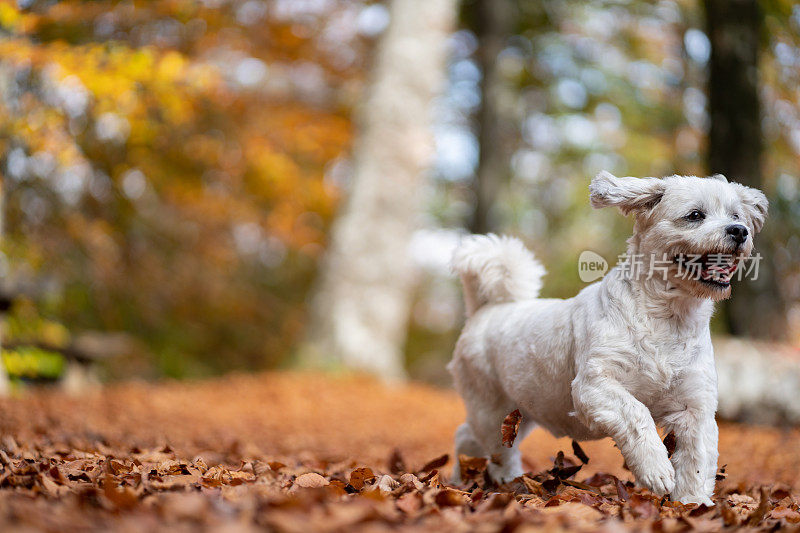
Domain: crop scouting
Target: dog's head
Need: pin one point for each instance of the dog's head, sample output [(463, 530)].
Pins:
[(697, 230)]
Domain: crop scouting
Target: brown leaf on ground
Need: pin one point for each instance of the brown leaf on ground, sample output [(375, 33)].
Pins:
[(396, 463), (642, 507), (781, 492), (410, 502), (762, 509), (472, 468), (785, 513), (583, 514), (144, 458), (699, 511), (729, 516), (579, 485), (622, 492), (311, 480), (533, 486), (360, 476), (670, 442), (579, 453), (121, 498), (564, 468), (510, 427), (496, 501), (449, 498), (276, 465), (435, 463)]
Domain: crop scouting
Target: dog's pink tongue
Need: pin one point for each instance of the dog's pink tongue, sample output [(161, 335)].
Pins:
[(720, 272)]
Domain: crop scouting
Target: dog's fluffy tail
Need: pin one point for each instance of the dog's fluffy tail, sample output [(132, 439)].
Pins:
[(496, 269)]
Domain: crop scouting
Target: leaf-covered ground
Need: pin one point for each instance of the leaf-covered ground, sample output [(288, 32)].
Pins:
[(294, 452)]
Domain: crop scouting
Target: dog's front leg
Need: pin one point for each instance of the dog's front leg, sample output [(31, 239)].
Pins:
[(605, 406), (695, 457)]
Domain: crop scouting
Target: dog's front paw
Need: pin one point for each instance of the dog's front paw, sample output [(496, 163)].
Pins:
[(655, 473), (700, 499)]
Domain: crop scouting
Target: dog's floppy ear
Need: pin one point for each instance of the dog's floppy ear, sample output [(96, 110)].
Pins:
[(755, 204), (628, 194)]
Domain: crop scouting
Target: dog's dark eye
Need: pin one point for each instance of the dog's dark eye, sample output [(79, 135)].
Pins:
[(696, 215), (735, 216)]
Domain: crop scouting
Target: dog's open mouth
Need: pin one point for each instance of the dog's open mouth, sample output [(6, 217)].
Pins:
[(714, 269)]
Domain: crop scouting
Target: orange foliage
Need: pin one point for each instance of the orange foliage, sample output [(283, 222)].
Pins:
[(174, 176)]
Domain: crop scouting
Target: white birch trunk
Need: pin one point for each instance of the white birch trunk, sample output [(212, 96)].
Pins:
[(361, 307)]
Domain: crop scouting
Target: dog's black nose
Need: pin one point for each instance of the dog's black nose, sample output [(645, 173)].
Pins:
[(738, 232)]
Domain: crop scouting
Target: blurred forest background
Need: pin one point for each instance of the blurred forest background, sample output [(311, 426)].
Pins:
[(172, 170)]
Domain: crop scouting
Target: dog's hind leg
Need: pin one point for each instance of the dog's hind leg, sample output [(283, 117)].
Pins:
[(466, 444), (487, 406), (505, 464)]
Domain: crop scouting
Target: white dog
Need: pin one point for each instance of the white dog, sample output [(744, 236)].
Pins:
[(628, 353)]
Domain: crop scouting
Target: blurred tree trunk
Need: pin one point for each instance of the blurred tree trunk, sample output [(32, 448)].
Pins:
[(735, 149), (359, 314), (493, 24)]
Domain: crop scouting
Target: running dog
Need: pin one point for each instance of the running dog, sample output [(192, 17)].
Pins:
[(629, 353)]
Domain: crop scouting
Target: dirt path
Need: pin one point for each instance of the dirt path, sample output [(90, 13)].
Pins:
[(194, 455)]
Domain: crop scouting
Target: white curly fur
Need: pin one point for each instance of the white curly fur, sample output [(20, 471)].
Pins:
[(496, 269)]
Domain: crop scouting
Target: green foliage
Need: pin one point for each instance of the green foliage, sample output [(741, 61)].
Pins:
[(30, 363)]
